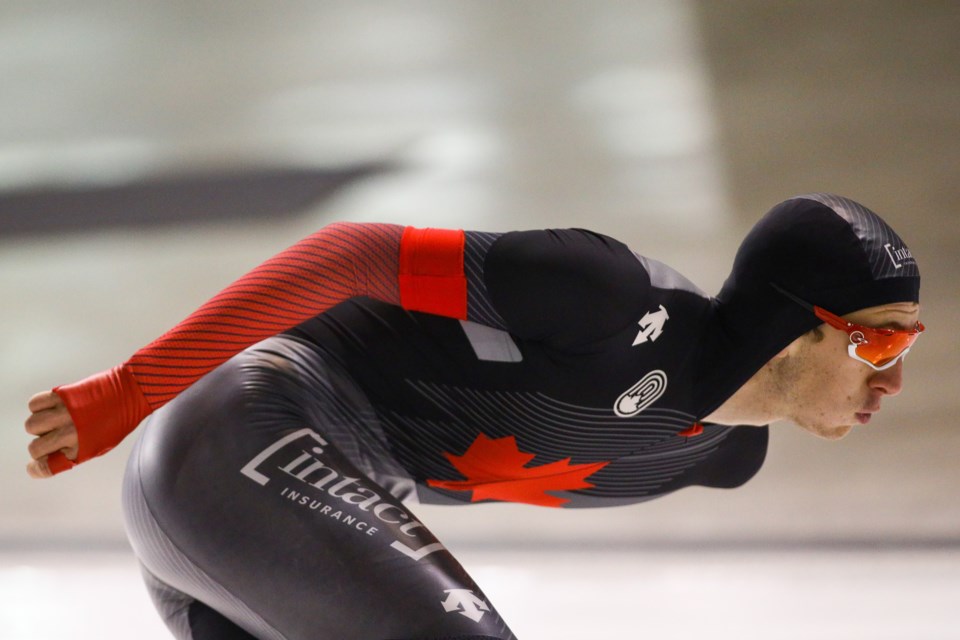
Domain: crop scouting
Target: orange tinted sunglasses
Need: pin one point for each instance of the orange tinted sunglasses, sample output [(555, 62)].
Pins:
[(877, 348)]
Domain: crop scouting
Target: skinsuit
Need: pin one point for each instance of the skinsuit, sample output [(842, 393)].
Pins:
[(395, 365)]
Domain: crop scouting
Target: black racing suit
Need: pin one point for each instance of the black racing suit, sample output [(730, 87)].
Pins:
[(577, 380)]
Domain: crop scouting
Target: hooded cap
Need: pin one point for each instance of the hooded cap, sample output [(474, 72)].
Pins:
[(831, 252)]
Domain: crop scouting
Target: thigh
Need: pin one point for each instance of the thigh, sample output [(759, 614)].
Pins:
[(256, 512), (190, 619)]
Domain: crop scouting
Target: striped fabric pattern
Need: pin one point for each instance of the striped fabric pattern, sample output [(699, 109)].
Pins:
[(879, 241), (341, 261), (644, 451), (479, 308)]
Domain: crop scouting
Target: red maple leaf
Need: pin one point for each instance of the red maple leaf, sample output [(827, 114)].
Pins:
[(495, 469)]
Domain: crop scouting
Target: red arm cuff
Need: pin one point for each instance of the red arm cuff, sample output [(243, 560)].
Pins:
[(431, 272), (105, 408)]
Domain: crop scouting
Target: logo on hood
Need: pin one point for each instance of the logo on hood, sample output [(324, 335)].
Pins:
[(900, 256)]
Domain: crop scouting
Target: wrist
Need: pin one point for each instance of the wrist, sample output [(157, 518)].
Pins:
[(105, 408)]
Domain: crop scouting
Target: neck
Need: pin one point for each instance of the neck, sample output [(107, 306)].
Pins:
[(752, 404)]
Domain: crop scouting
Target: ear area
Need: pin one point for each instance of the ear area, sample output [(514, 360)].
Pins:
[(794, 347)]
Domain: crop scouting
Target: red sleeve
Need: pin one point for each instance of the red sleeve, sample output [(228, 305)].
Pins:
[(420, 269), (340, 261)]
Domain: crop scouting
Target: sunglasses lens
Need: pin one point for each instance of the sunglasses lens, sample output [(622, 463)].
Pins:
[(883, 349)]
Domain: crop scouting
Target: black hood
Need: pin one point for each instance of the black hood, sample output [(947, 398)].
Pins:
[(829, 251)]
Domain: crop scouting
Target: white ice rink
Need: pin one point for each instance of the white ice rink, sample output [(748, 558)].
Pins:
[(571, 595)]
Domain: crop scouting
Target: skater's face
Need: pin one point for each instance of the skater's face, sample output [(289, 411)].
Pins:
[(828, 390)]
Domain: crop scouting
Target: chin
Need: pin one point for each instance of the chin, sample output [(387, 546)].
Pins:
[(829, 433)]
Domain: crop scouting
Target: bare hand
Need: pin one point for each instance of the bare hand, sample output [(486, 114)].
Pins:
[(55, 431)]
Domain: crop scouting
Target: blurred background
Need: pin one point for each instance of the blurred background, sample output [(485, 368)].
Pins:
[(152, 152)]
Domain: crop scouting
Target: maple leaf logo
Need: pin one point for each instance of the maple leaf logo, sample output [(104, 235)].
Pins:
[(495, 469)]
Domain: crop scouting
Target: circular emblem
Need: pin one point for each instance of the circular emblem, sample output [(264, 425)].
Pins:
[(641, 395)]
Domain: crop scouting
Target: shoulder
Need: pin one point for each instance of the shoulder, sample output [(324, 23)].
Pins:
[(663, 276)]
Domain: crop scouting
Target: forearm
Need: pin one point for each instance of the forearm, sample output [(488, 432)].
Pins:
[(339, 262)]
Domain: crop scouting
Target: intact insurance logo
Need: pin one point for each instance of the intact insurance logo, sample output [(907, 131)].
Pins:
[(899, 257), (300, 469)]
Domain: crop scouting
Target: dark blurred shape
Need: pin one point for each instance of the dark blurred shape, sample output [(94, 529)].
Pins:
[(174, 199)]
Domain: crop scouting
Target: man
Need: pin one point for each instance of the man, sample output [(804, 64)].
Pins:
[(554, 368)]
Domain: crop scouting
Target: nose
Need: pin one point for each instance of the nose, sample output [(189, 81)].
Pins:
[(889, 381)]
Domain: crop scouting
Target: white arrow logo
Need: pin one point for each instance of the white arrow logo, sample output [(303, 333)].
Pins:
[(651, 325), (465, 603)]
